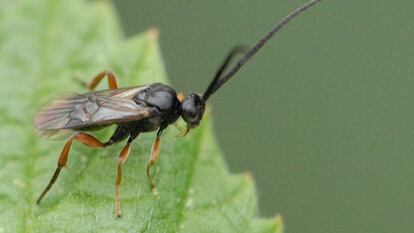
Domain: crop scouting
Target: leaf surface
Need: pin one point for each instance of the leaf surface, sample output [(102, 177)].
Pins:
[(44, 45)]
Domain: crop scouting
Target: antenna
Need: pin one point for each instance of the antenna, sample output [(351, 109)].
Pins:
[(218, 82)]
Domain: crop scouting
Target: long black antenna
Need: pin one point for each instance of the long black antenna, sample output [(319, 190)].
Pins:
[(233, 53), (219, 82)]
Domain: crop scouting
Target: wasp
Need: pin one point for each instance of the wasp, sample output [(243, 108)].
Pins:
[(134, 110)]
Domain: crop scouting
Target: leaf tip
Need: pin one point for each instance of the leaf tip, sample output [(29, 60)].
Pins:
[(248, 176), (153, 33), (279, 219), (208, 111)]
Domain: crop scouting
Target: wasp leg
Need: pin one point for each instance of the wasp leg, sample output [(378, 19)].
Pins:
[(112, 83), (123, 156), (85, 139), (88, 140), (155, 151), (80, 82), (61, 163)]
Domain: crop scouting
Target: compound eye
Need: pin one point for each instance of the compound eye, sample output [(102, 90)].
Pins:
[(197, 102), (192, 113)]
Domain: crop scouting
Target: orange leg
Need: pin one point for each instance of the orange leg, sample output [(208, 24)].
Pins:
[(112, 83), (123, 156), (155, 151), (85, 139)]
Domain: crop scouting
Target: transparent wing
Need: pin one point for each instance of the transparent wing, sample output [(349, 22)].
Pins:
[(95, 109)]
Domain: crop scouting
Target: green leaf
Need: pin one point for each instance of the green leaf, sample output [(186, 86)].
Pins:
[(44, 44)]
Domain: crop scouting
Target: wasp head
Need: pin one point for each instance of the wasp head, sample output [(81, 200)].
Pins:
[(192, 108)]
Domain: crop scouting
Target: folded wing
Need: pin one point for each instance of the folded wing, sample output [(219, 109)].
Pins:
[(65, 114)]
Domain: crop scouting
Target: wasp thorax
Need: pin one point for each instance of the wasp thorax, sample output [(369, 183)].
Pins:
[(193, 108)]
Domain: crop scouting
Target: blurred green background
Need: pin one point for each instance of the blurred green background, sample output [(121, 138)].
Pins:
[(322, 117)]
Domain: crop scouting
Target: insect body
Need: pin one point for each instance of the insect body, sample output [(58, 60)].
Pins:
[(151, 106), (133, 110)]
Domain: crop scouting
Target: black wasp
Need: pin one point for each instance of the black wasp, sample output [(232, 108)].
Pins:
[(134, 110)]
